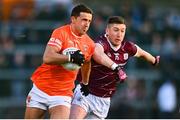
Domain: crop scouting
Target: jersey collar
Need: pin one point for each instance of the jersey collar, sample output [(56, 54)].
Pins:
[(112, 46)]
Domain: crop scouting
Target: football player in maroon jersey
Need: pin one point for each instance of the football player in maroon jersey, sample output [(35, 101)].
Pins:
[(111, 54)]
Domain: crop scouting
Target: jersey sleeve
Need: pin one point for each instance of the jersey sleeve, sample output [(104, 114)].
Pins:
[(100, 40), (91, 49), (56, 39), (130, 48)]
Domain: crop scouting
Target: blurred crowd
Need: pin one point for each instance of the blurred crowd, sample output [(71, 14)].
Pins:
[(25, 28)]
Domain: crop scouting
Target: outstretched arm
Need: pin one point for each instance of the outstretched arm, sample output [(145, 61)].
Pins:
[(100, 57), (147, 56)]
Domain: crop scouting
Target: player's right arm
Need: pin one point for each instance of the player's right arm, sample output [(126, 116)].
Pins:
[(100, 57), (52, 56), (54, 45), (52, 52)]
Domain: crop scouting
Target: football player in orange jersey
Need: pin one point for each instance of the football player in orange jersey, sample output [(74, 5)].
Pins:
[(52, 83)]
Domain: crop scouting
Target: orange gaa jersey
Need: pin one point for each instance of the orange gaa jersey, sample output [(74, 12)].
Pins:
[(54, 79)]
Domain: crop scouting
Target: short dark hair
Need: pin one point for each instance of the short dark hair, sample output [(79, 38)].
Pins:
[(116, 20), (80, 8)]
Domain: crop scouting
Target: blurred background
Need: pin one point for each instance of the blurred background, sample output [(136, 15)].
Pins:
[(150, 92)]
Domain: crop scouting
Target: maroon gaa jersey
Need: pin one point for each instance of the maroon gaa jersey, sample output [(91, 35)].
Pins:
[(102, 81)]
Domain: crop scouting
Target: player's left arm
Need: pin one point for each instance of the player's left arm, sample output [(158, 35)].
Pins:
[(147, 56), (85, 72)]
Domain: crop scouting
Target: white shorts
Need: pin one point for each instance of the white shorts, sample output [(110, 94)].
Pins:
[(39, 99), (91, 103)]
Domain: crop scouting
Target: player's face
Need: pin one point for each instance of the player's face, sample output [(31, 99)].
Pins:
[(82, 23), (116, 33)]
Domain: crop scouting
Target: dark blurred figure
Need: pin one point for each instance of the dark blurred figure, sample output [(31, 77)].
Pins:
[(59, 13), (17, 84)]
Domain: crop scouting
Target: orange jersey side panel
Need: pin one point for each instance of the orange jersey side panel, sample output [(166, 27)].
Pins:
[(54, 79)]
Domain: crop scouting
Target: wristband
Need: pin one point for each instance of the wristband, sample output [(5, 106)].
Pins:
[(84, 83), (69, 58), (113, 66), (155, 61)]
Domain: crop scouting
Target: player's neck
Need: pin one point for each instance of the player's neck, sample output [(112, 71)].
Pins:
[(74, 31), (114, 47)]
